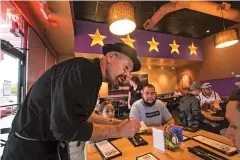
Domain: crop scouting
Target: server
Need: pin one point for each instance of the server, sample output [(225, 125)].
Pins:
[(58, 108)]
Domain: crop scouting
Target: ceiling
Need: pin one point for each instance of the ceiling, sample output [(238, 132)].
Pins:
[(62, 35), (147, 61), (184, 22)]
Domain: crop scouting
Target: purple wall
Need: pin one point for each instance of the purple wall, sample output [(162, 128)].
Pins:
[(224, 87), (82, 42)]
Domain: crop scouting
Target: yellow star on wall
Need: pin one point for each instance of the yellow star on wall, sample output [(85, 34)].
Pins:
[(153, 45), (174, 47), (97, 38), (128, 41), (193, 49)]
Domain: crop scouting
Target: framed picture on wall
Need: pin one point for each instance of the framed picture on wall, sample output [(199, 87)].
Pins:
[(186, 81), (112, 90), (143, 78)]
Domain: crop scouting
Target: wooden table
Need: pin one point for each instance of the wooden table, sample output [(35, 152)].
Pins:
[(208, 115), (129, 152)]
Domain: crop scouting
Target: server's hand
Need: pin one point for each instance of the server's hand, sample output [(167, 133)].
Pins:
[(129, 127)]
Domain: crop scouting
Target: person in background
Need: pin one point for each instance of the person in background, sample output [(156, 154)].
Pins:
[(177, 93), (233, 116), (190, 112), (223, 125), (150, 110), (209, 97), (134, 91), (106, 110)]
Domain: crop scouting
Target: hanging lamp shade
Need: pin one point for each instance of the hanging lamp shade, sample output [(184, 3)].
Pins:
[(121, 18), (226, 38)]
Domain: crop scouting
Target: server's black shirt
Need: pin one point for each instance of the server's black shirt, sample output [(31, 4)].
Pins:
[(60, 102)]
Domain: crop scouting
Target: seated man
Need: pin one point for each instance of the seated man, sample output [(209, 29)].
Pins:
[(150, 110), (209, 97), (233, 115), (190, 112), (189, 108)]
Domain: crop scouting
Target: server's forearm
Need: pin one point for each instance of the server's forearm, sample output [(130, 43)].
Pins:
[(94, 118), (101, 132)]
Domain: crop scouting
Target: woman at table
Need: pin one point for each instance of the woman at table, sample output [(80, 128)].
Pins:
[(134, 91)]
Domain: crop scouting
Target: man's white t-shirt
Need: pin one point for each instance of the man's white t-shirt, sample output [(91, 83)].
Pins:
[(214, 97), (155, 115)]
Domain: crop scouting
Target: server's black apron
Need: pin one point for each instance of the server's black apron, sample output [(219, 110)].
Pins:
[(20, 148)]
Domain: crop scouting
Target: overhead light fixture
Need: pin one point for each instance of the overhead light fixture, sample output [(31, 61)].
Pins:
[(173, 68), (207, 31), (227, 37), (121, 18), (161, 67)]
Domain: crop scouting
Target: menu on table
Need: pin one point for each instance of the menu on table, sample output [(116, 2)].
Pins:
[(222, 147), (107, 149), (148, 156)]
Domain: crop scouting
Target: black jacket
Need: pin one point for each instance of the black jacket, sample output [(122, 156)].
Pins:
[(189, 111)]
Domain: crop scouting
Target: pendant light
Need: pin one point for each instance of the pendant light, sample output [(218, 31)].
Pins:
[(121, 18), (227, 37)]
